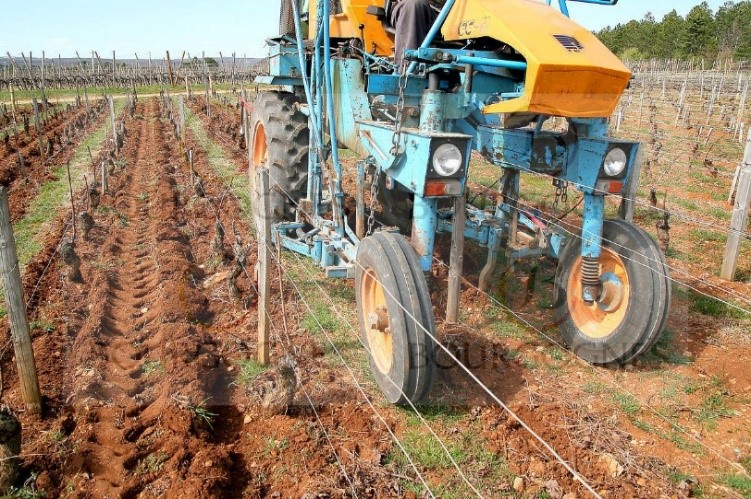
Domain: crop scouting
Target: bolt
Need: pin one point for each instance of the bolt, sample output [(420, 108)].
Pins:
[(373, 320)]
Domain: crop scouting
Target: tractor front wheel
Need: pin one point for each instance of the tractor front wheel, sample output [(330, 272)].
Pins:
[(396, 317), (634, 301)]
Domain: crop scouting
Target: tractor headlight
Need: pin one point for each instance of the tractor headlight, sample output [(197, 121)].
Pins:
[(447, 160), (615, 162)]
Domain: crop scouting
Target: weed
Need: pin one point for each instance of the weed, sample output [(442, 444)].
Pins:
[(43, 325), (202, 413), (123, 219), (713, 408), (143, 196), (556, 354), (642, 425), (151, 463), (529, 363), (511, 354), (271, 444), (704, 235), (676, 476), (426, 450), (28, 490), (595, 387), (708, 305), (249, 370), (738, 482), (152, 367), (321, 317), (626, 402), (665, 350)]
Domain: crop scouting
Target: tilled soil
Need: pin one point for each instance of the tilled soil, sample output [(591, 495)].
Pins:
[(140, 369), (61, 135)]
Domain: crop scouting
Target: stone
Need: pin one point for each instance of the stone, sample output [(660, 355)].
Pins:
[(519, 484)]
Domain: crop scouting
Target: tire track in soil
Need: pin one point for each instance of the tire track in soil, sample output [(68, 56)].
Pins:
[(143, 354)]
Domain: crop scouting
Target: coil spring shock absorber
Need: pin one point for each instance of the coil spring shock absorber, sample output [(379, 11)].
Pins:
[(590, 278)]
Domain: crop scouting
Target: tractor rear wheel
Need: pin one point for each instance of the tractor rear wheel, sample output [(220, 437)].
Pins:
[(279, 141), (286, 18), (396, 317), (634, 303)]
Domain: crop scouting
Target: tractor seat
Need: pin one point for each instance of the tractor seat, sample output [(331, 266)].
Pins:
[(383, 14)]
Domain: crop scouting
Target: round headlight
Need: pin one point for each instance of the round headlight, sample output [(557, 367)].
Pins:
[(447, 160), (615, 162)]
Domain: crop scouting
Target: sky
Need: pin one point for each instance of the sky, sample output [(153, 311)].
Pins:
[(141, 26)]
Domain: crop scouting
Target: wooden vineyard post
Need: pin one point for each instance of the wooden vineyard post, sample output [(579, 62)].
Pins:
[(19, 323), (112, 121), (13, 103), (104, 177), (740, 216), (182, 120), (456, 262), (263, 227), (38, 128)]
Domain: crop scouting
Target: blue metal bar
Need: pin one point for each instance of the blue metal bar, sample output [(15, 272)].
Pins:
[(564, 8), (312, 117), (332, 117), (316, 76), (434, 29), (594, 214), (424, 223), (497, 63)]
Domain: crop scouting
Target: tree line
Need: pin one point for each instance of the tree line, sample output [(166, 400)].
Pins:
[(702, 34)]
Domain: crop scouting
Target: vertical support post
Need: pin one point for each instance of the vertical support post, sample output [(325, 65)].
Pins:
[(182, 120), (456, 263), (169, 70), (360, 198), (19, 323), (38, 128), (263, 225), (112, 121), (13, 102), (104, 177), (739, 218)]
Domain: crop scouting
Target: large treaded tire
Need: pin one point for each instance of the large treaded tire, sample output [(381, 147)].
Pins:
[(286, 18), (279, 141), (621, 333), (402, 356)]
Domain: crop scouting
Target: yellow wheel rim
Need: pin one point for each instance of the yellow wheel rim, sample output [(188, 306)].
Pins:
[(259, 155), (601, 318), (377, 321)]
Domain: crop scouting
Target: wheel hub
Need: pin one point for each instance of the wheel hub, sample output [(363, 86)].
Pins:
[(379, 319), (600, 317), (376, 315)]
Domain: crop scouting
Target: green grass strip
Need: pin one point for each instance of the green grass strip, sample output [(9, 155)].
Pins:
[(225, 168)]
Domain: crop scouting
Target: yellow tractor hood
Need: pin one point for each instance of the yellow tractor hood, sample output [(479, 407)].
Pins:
[(569, 71)]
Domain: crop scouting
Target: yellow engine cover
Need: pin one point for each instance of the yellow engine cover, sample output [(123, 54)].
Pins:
[(584, 80), (347, 25)]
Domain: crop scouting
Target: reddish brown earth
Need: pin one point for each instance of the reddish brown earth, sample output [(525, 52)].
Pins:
[(139, 368), (64, 132)]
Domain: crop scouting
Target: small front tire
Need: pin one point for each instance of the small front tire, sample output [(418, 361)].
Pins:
[(396, 317), (632, 308)]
